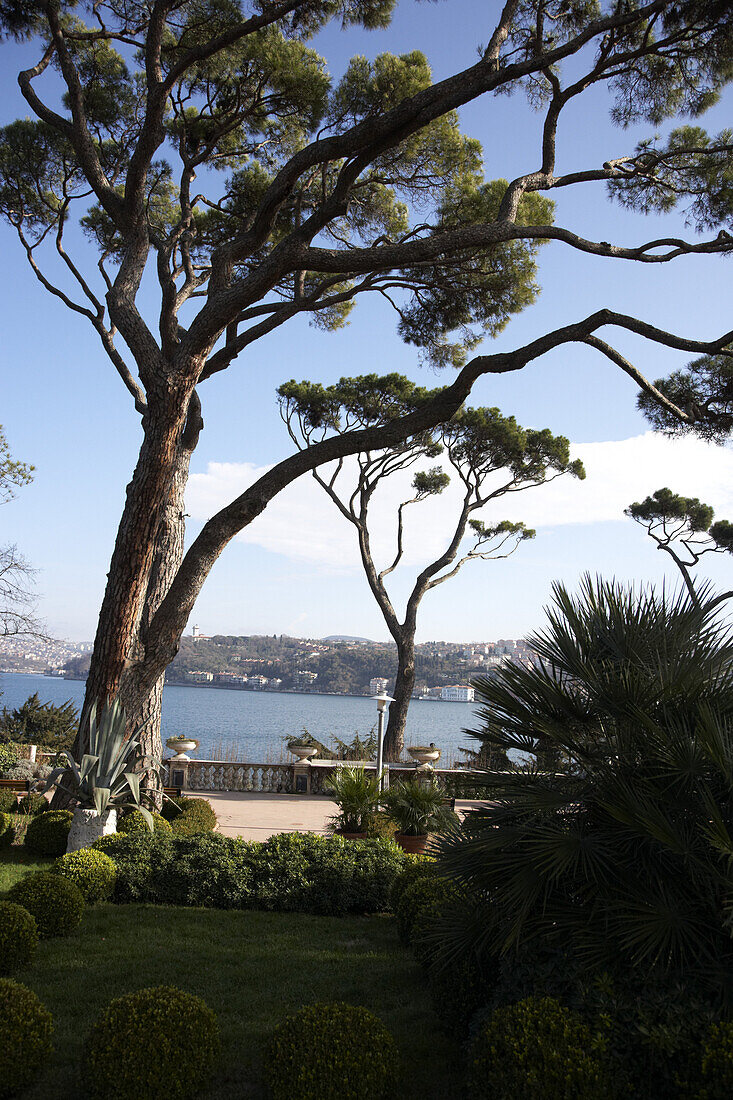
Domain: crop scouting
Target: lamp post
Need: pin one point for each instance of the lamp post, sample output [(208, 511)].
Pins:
[(382, 700)]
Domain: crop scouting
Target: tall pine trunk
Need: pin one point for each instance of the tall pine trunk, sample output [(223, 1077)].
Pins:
[(394, 738)]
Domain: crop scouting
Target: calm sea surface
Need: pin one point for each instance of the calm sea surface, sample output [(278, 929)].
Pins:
[(257, 722)]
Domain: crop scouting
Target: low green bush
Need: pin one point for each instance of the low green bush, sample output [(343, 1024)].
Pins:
[(134, 856), (414, 868), (56, 904), (717, 1064), (8, 801), (422, 895), (27, 1027), (326, 875), (47, 834), (93, 872), (33, 803), (18, 937), (380, 827), (537, 1048), (7, 831), (332, 1051), (152, 1043), (208, 870), (173, 807), (134, 822), (198, 816)]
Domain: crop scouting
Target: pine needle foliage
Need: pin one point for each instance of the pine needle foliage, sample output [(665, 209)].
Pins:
[(622, 851)]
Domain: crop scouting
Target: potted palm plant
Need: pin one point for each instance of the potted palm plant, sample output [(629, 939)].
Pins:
[(356, 793), (106, 779), (417, 809)]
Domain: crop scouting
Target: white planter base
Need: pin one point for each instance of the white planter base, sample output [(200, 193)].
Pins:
[(88, 826)]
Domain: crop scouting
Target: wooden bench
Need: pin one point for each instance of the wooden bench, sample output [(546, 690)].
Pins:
[(15, 785)]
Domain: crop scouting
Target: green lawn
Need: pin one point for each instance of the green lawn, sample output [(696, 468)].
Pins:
[(252, 968), (16, 862)]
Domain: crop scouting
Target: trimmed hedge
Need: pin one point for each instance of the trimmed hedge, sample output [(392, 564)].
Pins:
[(33, 803), (7, 831), (56, 904), (423, 895), (536, 1048), (152, 1043), (8, 801), (134, 822), (27, 1027), (18, 937), (332, 1051), (93, 872), (292, 871), (198, 816), (47, 834)]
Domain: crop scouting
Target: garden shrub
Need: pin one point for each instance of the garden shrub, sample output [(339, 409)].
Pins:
[(331, 1051), (717, 1063), (149, 1044), (174, 807), (9, 757), (33, 803), (197, 817), (537, 1048), (209, 870), (27, 1027), (18, 937), (424, 893), (8, 801), (56, 904), (380, 827), (326, 875), (134, 822), (93, 872), (135, 855), (47, 834), (414, 868), (7, 830)]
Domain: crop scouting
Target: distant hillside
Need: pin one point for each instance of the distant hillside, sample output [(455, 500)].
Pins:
[(348, 638)]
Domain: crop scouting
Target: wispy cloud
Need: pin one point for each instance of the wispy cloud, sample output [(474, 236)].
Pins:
[(302, 524)]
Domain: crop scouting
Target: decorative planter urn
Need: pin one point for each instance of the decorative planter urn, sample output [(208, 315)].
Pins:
[(423, 754), (303, 752), (87, 826), (182, 745)]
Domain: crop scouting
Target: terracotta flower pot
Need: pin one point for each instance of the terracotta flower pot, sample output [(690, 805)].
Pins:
[(413, 845)]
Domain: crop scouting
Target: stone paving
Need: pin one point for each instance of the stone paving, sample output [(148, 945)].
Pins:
[(258, 816)]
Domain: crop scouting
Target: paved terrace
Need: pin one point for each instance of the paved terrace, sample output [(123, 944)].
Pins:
[(258, 816)]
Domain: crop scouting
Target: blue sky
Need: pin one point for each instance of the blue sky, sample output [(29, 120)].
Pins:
[(296, 570)]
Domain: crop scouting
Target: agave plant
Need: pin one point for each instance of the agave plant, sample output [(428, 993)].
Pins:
[(623, 849), (109, 774)]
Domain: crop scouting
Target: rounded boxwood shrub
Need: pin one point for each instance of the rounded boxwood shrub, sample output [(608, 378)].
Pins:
[(93, 872), (7, 830), (328, 1051), (174, 807), (134, 822), (717, 1063), (537, 1048), (27, 1027), (414, 868), (197, 817), (8, 801), (56, 903), (33, 803), (47, 834), (152, 1043), (18, 937)]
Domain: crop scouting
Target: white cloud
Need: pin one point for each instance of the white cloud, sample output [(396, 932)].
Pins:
[(302, 524)]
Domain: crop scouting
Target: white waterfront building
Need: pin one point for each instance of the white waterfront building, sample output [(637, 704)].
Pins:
[(457, 693)]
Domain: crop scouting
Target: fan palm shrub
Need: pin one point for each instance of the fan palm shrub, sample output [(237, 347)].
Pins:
[(356, 793), (616, 843)]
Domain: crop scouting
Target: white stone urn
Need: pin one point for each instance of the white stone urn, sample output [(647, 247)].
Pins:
[(87, 826), (424, 754), (182, 745), (303, 752)]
